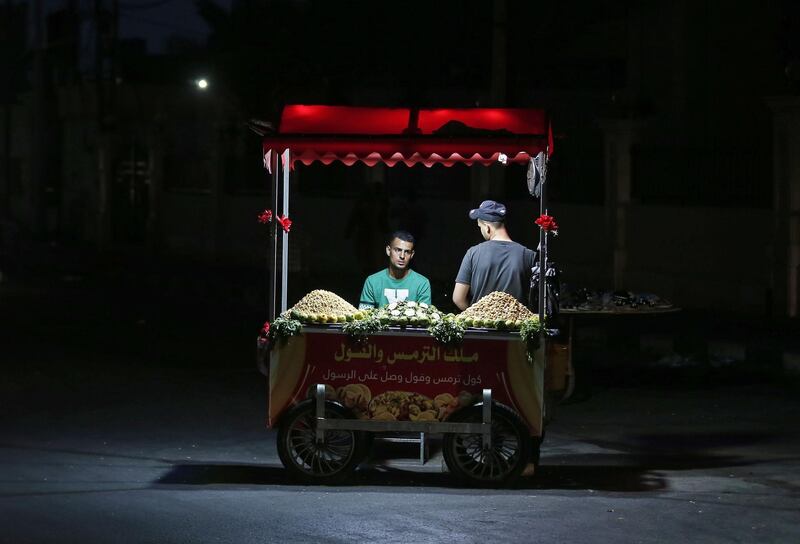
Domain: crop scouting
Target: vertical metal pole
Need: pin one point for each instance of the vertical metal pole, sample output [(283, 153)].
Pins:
[(285, 237), (542, 252), (543, 265), (319, 411), (486, 413), (273, 246)]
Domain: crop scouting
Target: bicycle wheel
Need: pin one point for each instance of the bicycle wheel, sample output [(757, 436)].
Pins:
[(498, 465), (330, 461)]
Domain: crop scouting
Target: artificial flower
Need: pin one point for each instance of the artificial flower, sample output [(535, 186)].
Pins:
[(265, 217), (547, 223), (285, 222)]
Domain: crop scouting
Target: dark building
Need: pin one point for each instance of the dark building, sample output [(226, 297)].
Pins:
[(675, 171)]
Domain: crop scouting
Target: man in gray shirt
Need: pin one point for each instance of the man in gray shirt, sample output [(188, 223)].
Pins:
[(498, 264)]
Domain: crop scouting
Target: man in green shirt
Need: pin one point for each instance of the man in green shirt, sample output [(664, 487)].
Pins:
[(397, 282)]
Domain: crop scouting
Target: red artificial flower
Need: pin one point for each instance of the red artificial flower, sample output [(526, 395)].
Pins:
[(265, 217), (285, 222), (263, 335), (547, 223)]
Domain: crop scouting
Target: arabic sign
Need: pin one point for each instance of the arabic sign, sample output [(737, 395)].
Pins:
[(427, 353), (411, 378)]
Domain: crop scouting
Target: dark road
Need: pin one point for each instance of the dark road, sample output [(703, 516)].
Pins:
[(132, 420)]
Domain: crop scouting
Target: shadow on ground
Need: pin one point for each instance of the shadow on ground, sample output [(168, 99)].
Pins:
[(618, 473), (633, 466)]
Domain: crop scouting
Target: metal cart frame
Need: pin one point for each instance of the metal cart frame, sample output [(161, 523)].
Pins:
[(372, 135)]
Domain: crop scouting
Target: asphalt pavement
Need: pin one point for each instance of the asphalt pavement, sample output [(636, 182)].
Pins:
[(139, 416)]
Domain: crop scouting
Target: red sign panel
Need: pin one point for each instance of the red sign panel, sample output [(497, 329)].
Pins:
[(399, 377)]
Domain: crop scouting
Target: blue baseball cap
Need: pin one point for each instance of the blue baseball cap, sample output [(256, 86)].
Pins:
[(489, 210)]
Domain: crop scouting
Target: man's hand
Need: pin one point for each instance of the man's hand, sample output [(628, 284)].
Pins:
[(460, 296)]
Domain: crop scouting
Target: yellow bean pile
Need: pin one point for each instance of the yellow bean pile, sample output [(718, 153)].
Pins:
[(321, 302), (497, 306)]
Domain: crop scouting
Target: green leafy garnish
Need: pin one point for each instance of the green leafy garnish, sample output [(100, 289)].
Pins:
[(448, 331), (284, 327), (360, 329)]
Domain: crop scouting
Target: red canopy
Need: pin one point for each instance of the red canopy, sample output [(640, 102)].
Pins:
[(411, 136)]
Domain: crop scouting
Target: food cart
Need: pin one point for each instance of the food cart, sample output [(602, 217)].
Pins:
[(328, 391)]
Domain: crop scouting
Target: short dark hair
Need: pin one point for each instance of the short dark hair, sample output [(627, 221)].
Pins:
[(403, 235), (494, 224)]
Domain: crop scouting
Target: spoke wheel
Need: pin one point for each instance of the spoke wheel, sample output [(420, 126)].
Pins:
[(498, 465), (328, 462)]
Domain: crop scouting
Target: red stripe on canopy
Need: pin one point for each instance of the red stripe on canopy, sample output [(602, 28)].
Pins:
[(514, 120), (298, 119)]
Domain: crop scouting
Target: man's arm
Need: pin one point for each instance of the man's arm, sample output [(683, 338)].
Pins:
[(460, 295), (424, 293), (463, 281)]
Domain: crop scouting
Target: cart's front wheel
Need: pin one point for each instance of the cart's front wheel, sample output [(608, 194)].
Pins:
[(329, 461), (497, 465)]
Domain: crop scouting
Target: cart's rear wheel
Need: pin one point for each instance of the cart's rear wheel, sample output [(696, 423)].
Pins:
[(498, 465), (328, 462)]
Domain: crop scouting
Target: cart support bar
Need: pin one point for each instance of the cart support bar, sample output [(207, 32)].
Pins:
[(322, 423), (320, 411), (487, 418), (433, 427)]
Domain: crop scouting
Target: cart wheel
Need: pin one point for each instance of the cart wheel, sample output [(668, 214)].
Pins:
[(328, 462), (503, 462)]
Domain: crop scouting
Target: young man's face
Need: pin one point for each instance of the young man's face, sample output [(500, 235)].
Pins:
[(400, 253)]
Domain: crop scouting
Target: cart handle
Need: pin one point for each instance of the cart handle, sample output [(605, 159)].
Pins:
[(487, 417), (320, 411)]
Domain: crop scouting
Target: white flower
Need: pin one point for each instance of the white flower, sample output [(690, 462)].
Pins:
[(423, 305), (392, 306), (410, 312), (411, 303), (435, 316), (395, 312), (420, 313)]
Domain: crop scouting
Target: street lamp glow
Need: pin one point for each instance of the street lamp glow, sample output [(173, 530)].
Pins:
[(202, 84)]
